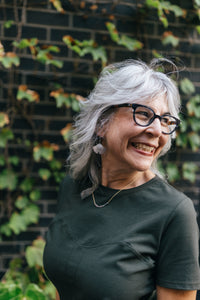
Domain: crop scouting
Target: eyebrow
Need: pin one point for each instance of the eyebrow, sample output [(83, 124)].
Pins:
[(130, 105)]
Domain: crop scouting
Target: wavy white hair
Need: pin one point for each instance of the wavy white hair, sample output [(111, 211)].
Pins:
[(130, 81)]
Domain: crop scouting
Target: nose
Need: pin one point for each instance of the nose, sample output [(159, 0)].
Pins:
[(155, 128)]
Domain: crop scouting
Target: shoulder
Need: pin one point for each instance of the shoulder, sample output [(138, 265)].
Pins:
[(171, 203), (173, 196)]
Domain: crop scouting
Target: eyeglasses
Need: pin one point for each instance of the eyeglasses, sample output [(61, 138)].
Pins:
[(144, 116)]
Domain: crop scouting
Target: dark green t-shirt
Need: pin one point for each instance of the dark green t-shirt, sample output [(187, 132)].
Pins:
[(146, 236)]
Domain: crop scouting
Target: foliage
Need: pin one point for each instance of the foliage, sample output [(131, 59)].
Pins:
[(41, 54), (130, 43), (86, 47), (18, 183), (25, 278)]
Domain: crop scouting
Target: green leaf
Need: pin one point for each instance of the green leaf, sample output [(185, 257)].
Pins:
[(34, 253), (8, 180), (2, 161), (183, 126), (31, 214), (187, 86), (193, 106), (172, 172), (33, 292), (124, 40), (27, 184), (5, 229), (75, 105), (194, 141), (43, 152), (55, 164), (50, 290), (9, 59), (170, 39), (44, 56), (130, 43), (181, 140), (5, 135), (198, 29), (25, 93), (10, 290), (24, 43), (164, 21), (35, 195), (45, 174), (113, 31), (4, 120), (8, 24), (14, 160), (189, 171), (17, 223), (177, 10), (197, 2), (152, 3), (86, 47), (21, 202), (194, 123)]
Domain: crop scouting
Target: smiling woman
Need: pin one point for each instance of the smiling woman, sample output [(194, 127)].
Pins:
[(121, 231)]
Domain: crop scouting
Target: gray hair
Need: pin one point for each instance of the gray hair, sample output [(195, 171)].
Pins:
[(130, 81)]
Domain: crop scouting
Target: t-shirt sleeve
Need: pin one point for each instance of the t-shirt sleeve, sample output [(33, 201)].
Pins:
[(178, 257)]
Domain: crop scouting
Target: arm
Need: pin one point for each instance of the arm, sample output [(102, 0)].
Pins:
[(171, 294)]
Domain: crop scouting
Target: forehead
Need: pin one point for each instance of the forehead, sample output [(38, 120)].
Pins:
[(159, 104)]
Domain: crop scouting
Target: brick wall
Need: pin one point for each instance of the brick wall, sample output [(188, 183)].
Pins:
[(39, 19)]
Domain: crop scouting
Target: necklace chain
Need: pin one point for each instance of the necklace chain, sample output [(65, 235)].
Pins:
[(109, 200)]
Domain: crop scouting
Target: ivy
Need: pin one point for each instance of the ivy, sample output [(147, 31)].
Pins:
[(8, 59), (20, 183), (41, 54), (130, 43), (86, 47), (163, 8), (25, 278)]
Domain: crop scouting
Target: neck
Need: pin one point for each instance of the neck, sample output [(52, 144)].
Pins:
[(118, 179)]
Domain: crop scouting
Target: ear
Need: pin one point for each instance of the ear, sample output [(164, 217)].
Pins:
[(101, 131)]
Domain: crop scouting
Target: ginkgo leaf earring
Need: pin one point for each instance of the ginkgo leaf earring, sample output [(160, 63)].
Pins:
[(99, 148)]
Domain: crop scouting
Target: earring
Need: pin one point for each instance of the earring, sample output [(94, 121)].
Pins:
[(99, 148)]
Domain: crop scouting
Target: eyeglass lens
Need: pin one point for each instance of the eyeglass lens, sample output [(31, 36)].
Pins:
[(144, 116)]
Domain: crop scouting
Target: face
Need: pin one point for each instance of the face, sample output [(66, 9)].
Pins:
[(129, 147)]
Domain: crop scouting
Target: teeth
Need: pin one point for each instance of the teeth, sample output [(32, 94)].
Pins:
[(143, 147)]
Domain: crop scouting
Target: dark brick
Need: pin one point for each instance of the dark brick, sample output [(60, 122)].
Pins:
[(45, 18), (8, 13), (57, 35), (125, 54), (34, 32), (89, 22), (9, 248), (30, 64), (52, 208), (11, 32), (131, 26), (125, 10)]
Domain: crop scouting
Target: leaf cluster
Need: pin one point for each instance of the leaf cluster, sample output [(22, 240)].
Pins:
[(25, 278)]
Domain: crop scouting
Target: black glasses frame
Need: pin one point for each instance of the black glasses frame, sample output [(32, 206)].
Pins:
[(134, 106)]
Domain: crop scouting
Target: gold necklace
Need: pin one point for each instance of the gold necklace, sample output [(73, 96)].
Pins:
[(113, 196)]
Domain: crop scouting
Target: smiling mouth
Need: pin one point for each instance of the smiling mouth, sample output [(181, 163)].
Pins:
[(143, 147)]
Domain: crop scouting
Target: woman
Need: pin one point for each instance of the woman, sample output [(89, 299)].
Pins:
[(122, 232)]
